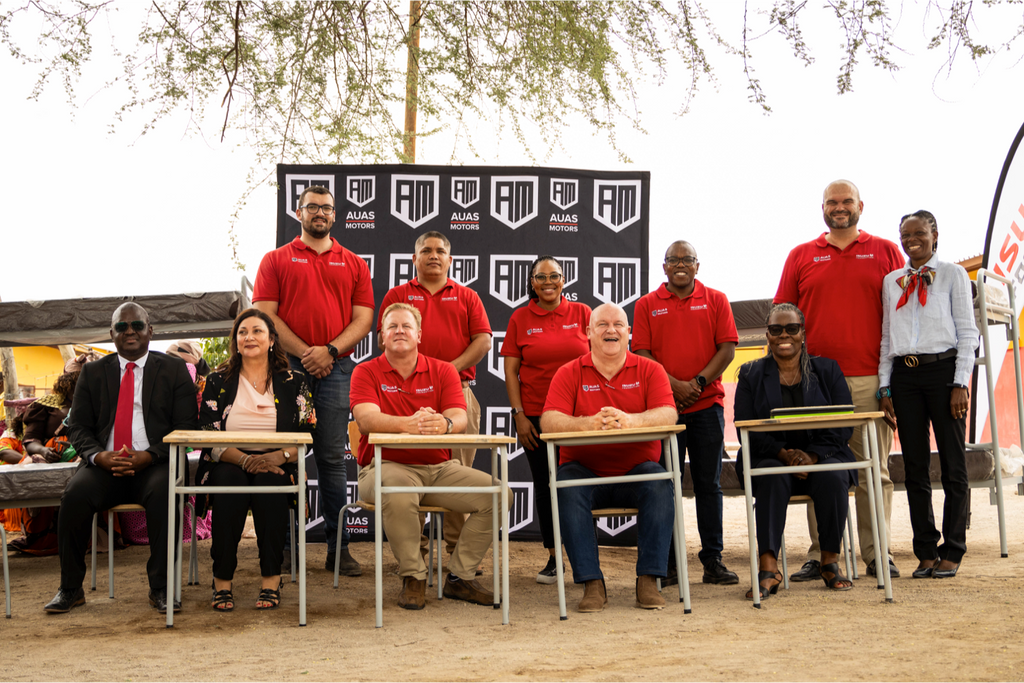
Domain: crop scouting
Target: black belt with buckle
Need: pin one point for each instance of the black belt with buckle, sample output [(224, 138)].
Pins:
[(925, 358)]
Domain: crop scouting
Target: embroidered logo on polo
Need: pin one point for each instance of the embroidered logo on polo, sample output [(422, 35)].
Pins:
[(501, 423), (616, 280), (591, 387), (699, 307), (862, 256), (465, 191), (660, 311), (388, 389), (299, 260), (564, 192), (631, 385), (360, 189), (449, 298), (414, 198), (573, 326), (509, 278), (363, 349), (425, 390), (534, 330), (617, 203), (514, 199), (821, 259), (414, 297), (495, 364), (296, 184)]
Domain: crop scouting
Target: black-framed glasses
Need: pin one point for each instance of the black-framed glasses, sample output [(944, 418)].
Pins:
[(314, 208), (542, 278), (672, 261), (137, 325), (791, 329)]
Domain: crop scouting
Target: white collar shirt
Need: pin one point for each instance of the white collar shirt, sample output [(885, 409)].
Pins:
[(140, 440)]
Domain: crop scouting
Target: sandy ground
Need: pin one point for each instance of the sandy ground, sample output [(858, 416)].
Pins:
[(967, 628)]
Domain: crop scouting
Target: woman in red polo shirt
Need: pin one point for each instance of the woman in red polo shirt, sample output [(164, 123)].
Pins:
[(542, 336)]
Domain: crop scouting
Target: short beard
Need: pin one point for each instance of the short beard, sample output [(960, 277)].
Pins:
[(315, 232), (852, 222)]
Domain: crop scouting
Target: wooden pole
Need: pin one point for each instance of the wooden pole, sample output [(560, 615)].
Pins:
[(412, 75), (10, 374)]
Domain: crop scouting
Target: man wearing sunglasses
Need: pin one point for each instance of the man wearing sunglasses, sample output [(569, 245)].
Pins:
[(124, 405), (321, 300), (689, 329), (455, 330), (836, 280)]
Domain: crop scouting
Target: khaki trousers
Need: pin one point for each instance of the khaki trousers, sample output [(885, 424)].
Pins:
[(400, 513), (863, 389), (466, 456)]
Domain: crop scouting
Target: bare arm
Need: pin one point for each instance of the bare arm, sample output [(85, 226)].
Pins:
[(474, 353), (524, 428)]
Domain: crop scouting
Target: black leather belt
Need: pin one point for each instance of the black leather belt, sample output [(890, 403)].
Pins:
[(925, 358)]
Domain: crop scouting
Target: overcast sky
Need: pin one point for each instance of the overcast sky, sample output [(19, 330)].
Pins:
[(88, 213)]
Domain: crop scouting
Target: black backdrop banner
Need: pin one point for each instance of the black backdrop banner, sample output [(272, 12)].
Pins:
[(498, 219)]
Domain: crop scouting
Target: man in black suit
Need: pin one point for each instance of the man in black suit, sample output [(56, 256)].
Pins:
[(123, 407)]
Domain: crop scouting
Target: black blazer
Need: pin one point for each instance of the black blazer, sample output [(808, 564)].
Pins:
[(168, 403), (758, 393)]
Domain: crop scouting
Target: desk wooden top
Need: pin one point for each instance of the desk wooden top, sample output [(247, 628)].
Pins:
[(480, 440), (657, 432), (202, 437), (809, 420)]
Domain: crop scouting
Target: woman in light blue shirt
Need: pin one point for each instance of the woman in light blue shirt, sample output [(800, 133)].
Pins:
[(927, 356)]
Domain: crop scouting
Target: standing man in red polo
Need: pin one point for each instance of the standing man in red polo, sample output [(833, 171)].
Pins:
[(836, 280), (455, 329), (321, 299), (689, 329)]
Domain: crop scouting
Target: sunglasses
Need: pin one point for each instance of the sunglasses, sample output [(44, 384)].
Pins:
[(791, 329), (137, 325)]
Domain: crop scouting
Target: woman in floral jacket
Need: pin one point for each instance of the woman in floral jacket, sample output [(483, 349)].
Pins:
[(252, 391)]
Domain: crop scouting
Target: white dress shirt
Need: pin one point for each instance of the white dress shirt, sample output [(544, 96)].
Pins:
[(945, 322), (140, 440)]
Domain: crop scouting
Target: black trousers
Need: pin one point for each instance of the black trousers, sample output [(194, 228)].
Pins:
[(94, 489), (538, 459), (921, 396), (269, 517), (830, 492)]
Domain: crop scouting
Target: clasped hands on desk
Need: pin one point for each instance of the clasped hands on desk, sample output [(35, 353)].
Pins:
[(866, 422), (224, 439)]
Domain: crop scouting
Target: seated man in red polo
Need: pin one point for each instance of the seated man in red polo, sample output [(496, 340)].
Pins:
[(403, 391), (611, 388)]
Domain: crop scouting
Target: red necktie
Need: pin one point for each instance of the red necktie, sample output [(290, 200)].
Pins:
[(125, 409)]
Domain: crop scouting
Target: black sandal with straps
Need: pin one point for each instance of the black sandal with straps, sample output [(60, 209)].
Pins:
[(223, 601), (271, 596)]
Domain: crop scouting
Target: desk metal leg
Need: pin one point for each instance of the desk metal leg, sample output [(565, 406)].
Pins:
[(302, 535), (110, 550), (882, 543), (179, 544), (7, 573), (560, 569), (679, 528), (496, 511), (172, 479), (503, 460), (755, 591), (378, 545)]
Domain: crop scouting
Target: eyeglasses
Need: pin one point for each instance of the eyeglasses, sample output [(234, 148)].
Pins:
[(314, 208), (137, 325), (672, 261), (791, 329), (542, 278)]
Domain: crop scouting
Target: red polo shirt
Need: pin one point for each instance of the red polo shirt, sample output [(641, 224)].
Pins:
[(684, 334), (315, 293), (450, 318), (578, 389), (840, 294), (544, 341), (433, 384)]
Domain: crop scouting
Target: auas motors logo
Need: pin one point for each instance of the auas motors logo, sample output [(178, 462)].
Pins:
[(534, 330), (591, 387), (826, 257), (660, 311), (299, 260), (388, 388)]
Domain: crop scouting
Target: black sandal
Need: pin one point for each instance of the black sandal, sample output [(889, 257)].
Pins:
[(833, 583), (221, 599), (269, 595), (766, 592)]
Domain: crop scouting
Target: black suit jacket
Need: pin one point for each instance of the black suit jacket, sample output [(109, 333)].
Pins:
[(758, 393), (168, 403)]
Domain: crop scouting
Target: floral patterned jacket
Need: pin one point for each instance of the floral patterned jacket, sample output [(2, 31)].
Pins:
[(293, 399)]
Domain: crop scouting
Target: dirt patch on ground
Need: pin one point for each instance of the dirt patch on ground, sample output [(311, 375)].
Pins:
[(967, 628)]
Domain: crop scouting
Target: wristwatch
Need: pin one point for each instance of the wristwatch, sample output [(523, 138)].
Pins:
[(333, 350), (287, 455), (449, 421), (701, 382), (884, 392), (515, 411)]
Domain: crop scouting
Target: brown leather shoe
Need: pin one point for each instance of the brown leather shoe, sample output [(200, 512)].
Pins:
[(414, 593), (647, 595), (595, 597), (470, 591)]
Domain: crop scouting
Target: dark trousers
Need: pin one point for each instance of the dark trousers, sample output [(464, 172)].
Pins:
[(704, 440), (921, 396), (830, 492), (269, 517), (538, 459), (94, 489)]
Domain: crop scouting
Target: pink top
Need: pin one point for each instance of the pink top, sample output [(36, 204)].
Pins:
[(252, 411)]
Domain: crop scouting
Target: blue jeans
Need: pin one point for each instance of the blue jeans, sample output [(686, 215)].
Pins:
[(654, 522), (704, 436), (330, 399)]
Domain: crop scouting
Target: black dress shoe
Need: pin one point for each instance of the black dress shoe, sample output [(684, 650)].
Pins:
[(923, 573), (893, 571), (811, 571), (158, 599), (945, 573), (64, 600), (716, 573)]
